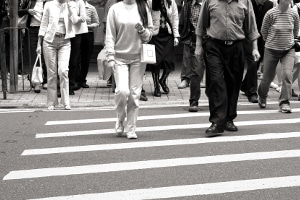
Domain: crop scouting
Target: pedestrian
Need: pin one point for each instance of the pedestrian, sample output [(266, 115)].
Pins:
[(87, 43), (34, 10), (57, 27), (221, 30), (279, 28), (165, 37), (75, 59), (187, 25), (249, 84), (129, 24)]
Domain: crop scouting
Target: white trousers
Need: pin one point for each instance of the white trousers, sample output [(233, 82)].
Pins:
[(128, 75), (57, 56)]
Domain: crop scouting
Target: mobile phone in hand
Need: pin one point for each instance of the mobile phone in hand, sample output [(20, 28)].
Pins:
[(139, 27)]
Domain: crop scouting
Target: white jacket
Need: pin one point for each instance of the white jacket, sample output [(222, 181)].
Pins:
[(172, 14)]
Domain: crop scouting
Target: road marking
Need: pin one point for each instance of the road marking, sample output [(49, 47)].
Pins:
[(170, 116), (149, 164), (106, 147), (189, 190), (164, 128)]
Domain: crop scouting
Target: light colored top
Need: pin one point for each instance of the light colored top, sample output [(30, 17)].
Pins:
[(38, 8), (172, 13), (122, 38), (279, 28), (92, 18), (61, 28), (227, 20), (80, 27), (49, 23)]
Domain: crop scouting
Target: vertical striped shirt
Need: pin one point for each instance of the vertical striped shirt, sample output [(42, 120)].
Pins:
[(279, 28), (92, 17)]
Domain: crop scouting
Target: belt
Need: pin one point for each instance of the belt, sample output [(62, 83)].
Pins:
[(60, 35), (225, 42)]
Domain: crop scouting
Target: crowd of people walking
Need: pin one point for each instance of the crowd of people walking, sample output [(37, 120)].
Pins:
[(220, 40)]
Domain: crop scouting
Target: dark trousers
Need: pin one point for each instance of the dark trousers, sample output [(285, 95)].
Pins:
[(74, 60), (196, 73), (249, 84), (224, 74), (87, 47), (34, 32)]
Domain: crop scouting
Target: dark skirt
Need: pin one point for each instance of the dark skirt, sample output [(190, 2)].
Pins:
[(164, 48)]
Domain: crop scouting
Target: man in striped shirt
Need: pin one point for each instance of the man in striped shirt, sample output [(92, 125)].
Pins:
[(87, 43)]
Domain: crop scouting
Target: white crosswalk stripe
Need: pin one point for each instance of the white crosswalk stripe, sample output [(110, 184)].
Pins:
[(169, 127), (206, 159), (106, 147), (189, 190), (124, 166)]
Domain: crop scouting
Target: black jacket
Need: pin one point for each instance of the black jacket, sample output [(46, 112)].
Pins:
[(259, 16), (186, 29)]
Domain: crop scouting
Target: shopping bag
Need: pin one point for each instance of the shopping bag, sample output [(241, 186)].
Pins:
[(103, 70), (37, 71), (22, 21), (148, 54)]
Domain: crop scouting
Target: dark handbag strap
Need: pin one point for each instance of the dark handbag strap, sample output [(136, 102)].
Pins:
[(163, 10)]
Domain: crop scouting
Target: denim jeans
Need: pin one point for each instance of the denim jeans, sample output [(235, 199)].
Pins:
[(194, 69), (57, 55), (128, 75), (271, 59)]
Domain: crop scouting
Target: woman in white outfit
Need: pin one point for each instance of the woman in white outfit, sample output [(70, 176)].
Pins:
[(57, 27), (123, 46)]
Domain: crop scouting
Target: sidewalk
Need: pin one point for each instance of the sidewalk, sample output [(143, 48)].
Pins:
[(100, 95)]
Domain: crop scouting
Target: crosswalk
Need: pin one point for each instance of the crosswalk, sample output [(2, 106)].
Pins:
[(263, 156)]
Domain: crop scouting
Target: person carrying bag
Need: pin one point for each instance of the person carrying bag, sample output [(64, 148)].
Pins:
[(37, 73)]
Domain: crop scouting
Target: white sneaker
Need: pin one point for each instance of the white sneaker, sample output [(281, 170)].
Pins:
[(183, 84), (119, 128), (131, 135), (67, 107), (273, 85), (50, 107), (278, 89)]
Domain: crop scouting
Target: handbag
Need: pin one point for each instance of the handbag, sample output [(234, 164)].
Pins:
[(22, 21), (37, 71), (297, 44), (148, 54), (103, 70)]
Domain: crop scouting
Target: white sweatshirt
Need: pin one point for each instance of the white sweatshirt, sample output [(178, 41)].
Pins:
[(122, 38)]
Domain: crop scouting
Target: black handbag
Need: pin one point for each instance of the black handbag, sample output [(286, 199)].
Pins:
[(297, 44)]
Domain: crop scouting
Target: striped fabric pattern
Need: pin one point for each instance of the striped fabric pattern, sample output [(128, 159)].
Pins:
[(279, 28)]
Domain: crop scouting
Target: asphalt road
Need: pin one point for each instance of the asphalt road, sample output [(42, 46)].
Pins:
[(75, 155)]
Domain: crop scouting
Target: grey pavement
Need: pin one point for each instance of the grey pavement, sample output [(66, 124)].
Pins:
[(100, 95)]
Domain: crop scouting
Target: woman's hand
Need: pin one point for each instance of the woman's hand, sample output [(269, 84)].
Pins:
[(111, 63), (39, 49), (176, 41), (31, 11)]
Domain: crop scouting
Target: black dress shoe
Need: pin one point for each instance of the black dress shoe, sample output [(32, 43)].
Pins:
[(84, 85), (253, 99), (214, 130), (229, 126), (193, 107), (77, 86), (71, 92), (294, 94)]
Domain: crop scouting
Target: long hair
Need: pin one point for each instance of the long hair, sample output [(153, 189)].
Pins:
[(141, 4), (156, 4)]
